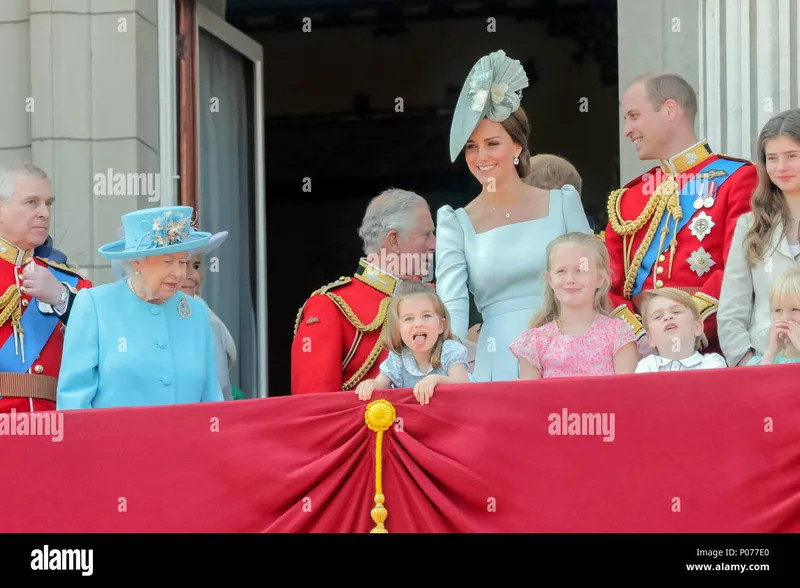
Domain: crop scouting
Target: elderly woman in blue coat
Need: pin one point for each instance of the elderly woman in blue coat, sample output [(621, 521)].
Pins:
[(141, 341)]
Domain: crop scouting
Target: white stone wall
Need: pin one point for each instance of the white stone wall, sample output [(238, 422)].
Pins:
[(750, 53), (655, 35), (89, 69)]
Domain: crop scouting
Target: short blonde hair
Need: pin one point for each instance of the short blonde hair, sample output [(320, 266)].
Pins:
[(391, 335), (552, 172), (676, 295), (787, 285)]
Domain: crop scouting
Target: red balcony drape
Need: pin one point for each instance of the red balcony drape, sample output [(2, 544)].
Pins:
[(708, 451)]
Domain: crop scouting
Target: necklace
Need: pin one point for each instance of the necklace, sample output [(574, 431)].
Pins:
[(494, 208), (130, 285)]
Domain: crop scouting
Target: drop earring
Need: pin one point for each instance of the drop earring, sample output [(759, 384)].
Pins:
[(516, 161)]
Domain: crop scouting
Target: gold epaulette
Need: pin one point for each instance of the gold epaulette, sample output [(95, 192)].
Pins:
[(335, 284), (706, 305), (632, 320), (62, 267)]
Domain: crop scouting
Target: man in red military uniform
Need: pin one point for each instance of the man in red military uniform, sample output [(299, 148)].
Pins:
[(337, 339), (35, 293), (673, 226)]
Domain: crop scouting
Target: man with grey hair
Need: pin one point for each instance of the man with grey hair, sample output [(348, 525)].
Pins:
[(673, 226), (337, 334), (36, 292)]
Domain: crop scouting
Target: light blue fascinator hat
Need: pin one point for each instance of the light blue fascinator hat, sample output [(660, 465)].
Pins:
[(156, 231), (493, 90)]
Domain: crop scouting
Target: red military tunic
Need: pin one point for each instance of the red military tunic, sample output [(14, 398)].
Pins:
[(708, 194), (337, 339), (13, 305)]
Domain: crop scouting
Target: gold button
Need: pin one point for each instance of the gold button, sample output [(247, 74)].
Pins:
[(38, 369), (661, 258), (659, 270), (24, 303), (659, 284)]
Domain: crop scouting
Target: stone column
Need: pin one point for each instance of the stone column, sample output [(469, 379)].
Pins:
[(741, 56), (751, 57), (94, 80), (15, 46), (655, 35)]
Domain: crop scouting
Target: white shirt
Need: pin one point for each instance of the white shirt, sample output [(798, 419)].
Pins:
[(698, 361)]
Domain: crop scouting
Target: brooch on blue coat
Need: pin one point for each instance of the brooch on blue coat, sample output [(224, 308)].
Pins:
[(183, 308)]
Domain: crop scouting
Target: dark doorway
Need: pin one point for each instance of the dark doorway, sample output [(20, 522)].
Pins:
[(334, 137)]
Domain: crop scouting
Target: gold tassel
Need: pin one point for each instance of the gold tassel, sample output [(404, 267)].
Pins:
[(676, 211), (379, 417)]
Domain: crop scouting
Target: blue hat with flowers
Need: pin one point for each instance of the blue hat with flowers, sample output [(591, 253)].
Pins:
[(156, 231), (493, 90)]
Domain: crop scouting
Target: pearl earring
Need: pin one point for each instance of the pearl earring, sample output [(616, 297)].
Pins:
[(516, 161)]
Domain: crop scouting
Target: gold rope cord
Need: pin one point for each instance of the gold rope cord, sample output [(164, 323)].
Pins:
[(379, 417), (9, 307), (665, 198)]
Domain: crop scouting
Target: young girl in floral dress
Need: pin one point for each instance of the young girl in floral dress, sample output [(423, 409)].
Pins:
[(573, 334)]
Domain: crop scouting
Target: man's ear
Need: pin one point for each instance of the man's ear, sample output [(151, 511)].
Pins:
[(393, 241)]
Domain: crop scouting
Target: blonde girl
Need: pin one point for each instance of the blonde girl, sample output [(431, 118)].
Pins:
[(422, 351), (573, 334), (783, 340)]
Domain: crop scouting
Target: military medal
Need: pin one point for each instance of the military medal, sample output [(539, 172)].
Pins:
[(707, 201), (701, 225), (711, 194), (700, 261), (184, 309)]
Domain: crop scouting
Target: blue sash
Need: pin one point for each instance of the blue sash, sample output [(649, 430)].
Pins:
[(38, 328), (688, 195)]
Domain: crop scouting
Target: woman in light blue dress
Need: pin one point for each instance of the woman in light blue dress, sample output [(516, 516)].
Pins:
[(495, 246), (142, 341)]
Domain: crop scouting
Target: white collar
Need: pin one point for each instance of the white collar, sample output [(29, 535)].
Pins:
[(693, 360)]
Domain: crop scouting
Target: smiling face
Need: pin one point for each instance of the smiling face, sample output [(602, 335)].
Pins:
[(420, 324), (194, 277), (490, 153), (783, 163), (25, 218), (162, 275), (672, 328), (649, 130), (574, 275)]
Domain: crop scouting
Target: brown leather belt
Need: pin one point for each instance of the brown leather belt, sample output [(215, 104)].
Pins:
[(28, 386)]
